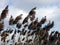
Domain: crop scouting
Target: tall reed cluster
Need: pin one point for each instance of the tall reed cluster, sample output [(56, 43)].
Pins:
[(29, 31)]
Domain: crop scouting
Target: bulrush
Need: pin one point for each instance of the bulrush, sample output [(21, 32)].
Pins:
[(18, 25), (17, 18), (11, 20), (48, 26), (36, 21), (32, 11), (33, 25), (22, 32), (43, 20), (32, 14), (13, 36), (4, 35), (4, 12), (25, 20), (1, 26)]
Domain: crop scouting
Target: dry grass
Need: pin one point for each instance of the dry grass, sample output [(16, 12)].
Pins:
[(36, 35)]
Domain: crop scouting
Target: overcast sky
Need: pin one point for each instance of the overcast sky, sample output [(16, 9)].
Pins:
[(49, 8)]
